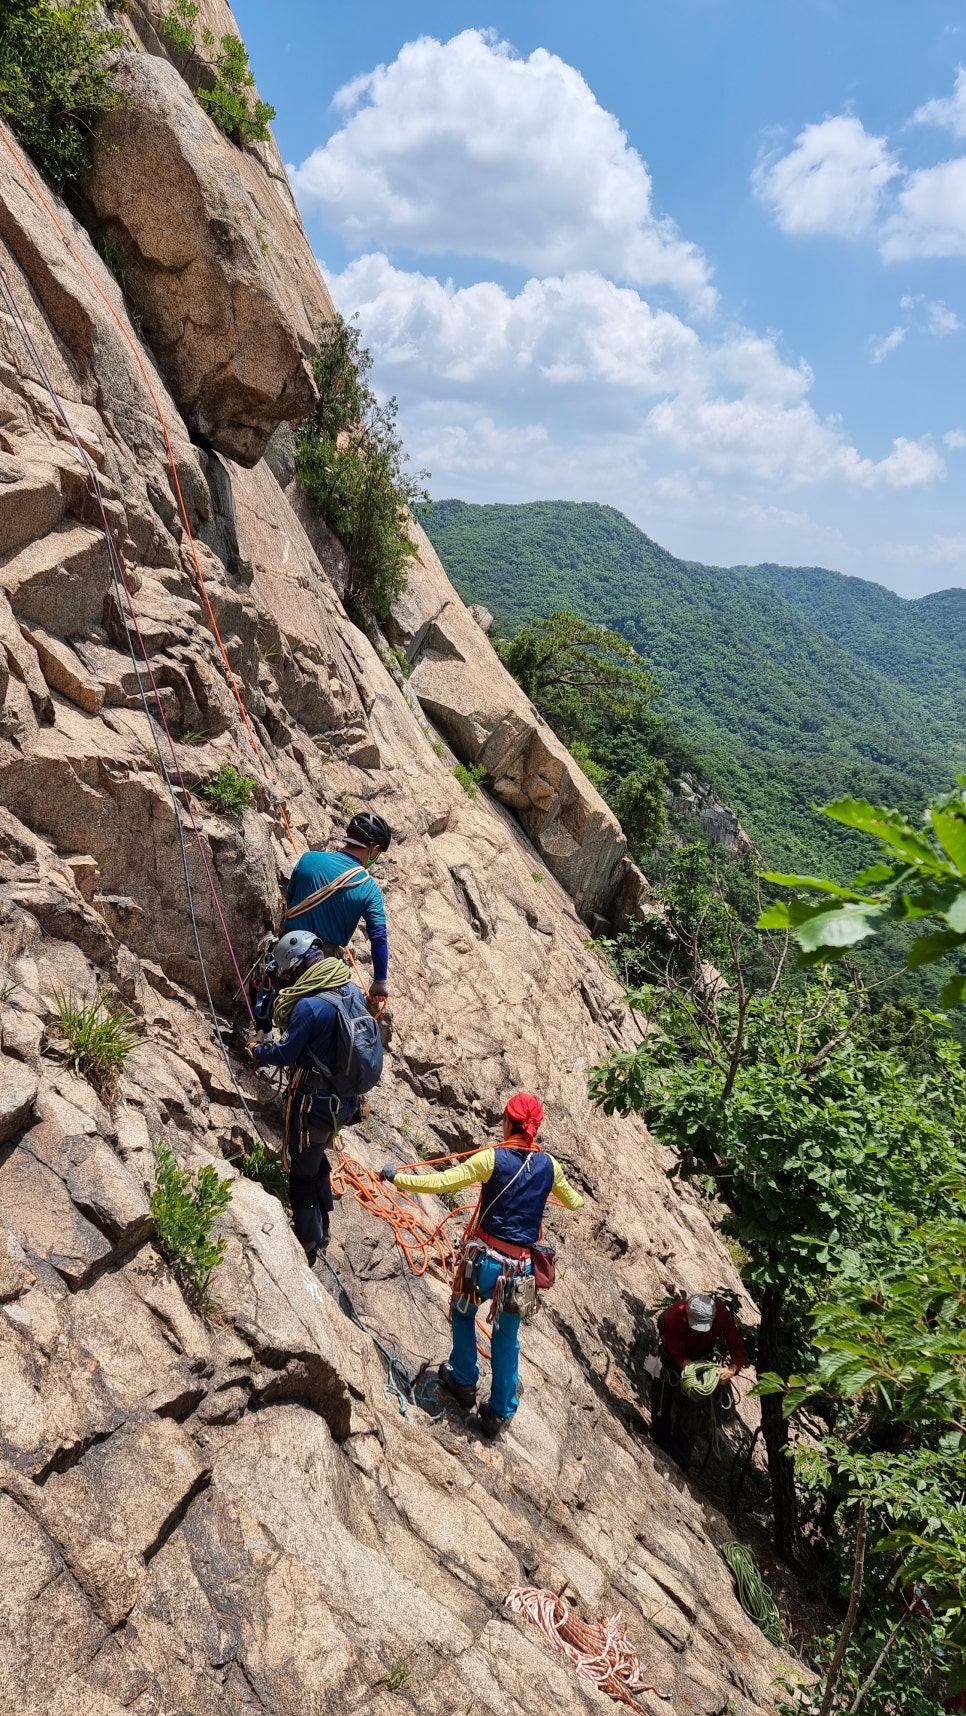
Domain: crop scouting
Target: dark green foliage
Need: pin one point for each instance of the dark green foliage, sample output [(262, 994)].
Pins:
[(837, 1144), (784, 712), (229, 790), (588, 683), (95, 1038), (264, 1165), (577, 673), (920, 879), (890, 1379), (185, 1207), (112, 255), (228, 101), (54, 81), (710, 900), (352, 466)]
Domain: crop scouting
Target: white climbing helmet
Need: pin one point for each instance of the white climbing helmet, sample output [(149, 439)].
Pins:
[(701, 1312), (292, 948)]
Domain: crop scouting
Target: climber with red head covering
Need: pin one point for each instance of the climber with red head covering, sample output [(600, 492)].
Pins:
[(498, 1262)]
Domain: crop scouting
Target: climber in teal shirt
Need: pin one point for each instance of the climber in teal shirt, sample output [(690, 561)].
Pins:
[(319, 901)]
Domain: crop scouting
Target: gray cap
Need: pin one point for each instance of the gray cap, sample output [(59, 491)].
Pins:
[(701, 1312)]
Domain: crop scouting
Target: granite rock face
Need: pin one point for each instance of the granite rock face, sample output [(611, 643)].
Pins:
[(225, 1514), (199, 277), (490, 723)]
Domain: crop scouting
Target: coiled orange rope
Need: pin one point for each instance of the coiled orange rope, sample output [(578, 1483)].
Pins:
[(424, 1244), (601, 1653)]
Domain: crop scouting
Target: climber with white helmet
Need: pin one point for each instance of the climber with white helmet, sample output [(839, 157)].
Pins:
[(501, 1260), (329, 892), (333, 1046), (692, 1331)]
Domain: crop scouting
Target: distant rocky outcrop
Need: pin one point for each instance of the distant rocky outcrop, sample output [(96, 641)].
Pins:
[(227, 1515), (693, 801)]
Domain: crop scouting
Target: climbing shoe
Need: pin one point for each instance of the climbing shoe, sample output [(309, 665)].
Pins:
[(310, 1257), (490, 1422), (462, 1392)]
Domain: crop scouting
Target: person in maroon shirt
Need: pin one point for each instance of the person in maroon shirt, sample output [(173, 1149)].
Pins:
[(690, 1330)]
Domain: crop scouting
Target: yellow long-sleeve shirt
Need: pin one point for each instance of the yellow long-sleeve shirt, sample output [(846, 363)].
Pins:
[(476, 1170)]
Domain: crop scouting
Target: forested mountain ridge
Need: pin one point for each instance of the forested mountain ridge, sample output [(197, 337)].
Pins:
[(787, 708), (922, 642)]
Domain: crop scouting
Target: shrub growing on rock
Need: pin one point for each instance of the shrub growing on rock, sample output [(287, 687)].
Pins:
[(228, 101), (229, 790), (185, 1207), (352, 466), (470, 778), (54, 81), (264, 1165)]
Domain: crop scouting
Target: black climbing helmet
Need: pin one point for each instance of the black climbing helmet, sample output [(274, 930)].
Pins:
[(367, 829)]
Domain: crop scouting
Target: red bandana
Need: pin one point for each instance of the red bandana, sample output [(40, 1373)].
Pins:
[(526, 1114)]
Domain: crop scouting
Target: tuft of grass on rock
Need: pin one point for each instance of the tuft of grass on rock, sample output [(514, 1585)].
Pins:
[(185, 1207), (229, 790), (401, 1674), (95, 1038), (264, 1165)]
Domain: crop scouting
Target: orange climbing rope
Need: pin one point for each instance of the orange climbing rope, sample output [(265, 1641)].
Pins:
[(601, 1652), (426, 1246), (199, 575)]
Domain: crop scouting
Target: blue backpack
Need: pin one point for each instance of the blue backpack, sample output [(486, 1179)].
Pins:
[(357, 1045)]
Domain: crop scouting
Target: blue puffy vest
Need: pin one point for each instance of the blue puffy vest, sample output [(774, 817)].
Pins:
[(518, 1206)]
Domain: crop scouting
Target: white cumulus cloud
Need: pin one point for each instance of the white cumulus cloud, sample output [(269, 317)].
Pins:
[(465, 148), (880, 349), (948, 111), (586, 376), (930, 214), (832, 180)]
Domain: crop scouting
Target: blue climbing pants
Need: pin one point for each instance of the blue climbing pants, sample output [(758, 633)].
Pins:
[(504, 1342)]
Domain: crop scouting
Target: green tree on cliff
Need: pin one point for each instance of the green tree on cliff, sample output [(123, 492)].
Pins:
[(352, 465)]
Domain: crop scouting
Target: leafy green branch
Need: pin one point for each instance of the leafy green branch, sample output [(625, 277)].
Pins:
[(920, 878)]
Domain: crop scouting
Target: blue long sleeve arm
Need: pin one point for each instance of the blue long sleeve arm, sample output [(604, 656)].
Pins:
[(379, 943), (290, 1048)]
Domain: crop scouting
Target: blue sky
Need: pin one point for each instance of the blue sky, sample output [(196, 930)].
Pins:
[(702, 261)]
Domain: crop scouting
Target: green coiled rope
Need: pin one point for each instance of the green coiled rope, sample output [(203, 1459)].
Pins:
[(753, 1594), (325, 974), (700, 1380)]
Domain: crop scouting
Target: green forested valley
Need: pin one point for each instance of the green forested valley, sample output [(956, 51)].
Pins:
[(793, 685)]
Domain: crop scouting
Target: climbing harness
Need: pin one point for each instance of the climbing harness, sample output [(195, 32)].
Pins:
[(514, 1290), (752, 1592), (601, 1653), (199, 575)]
